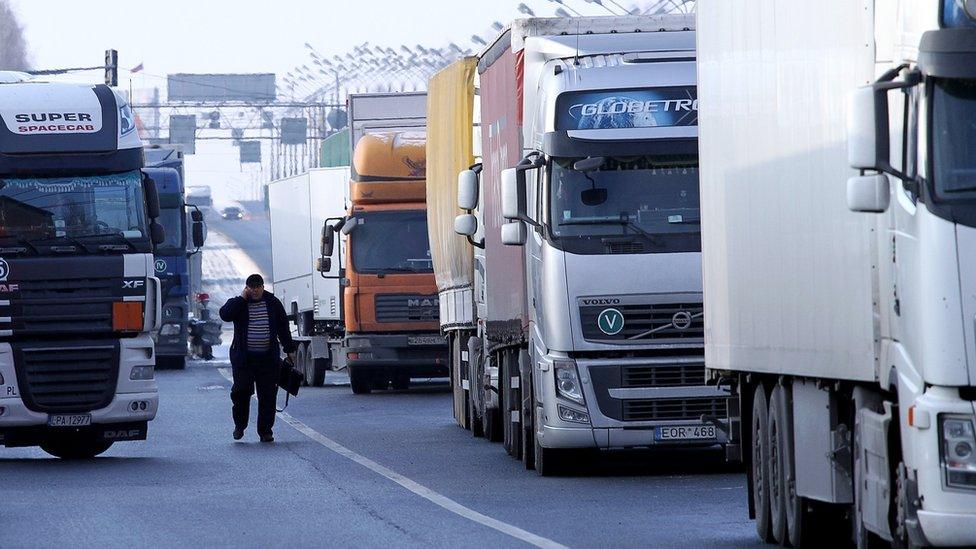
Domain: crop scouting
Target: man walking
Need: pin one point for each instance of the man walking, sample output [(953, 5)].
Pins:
[(260, 322)]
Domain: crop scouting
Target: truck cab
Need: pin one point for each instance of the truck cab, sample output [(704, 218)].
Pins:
[(390, 301), (78, 293)]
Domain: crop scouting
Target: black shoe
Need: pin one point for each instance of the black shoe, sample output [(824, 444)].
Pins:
[(267, 438), (238, 434)]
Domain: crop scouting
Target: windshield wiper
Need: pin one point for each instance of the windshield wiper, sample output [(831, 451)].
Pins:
[(22, 240), (622, 220), (119, 235), (396, 270)]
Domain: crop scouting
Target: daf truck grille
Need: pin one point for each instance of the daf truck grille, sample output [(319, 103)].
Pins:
[(66, 378), (655, 375), (668, 321), (407, 308), (61, 306), (672, 409)]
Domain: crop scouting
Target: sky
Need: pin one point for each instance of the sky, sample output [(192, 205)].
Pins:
[(228, 36)]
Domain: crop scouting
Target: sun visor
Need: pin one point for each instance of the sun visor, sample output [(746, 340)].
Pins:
[(948, 53)]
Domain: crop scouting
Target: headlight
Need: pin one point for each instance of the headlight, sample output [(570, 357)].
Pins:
[(574, 416), (567, 381), (169, 330), (959, 451), (141, 373)]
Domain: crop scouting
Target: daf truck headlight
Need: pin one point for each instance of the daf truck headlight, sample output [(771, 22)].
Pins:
[(959, 451), (141, 373), (567, 381)]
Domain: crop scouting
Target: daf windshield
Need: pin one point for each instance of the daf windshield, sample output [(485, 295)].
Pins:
[(391, 242), (643, 203), (34, 209), (954, 140)]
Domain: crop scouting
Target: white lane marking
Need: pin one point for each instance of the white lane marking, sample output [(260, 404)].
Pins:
[(415, 487)]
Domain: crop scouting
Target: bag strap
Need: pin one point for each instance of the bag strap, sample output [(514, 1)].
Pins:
[(287, 396)]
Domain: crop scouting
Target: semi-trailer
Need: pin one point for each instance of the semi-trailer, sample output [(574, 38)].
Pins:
[(299, 207), (585, 222), (78, 295), (839, 237)]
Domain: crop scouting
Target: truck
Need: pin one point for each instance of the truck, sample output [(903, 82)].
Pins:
[(390, 304), (299, 207), (184, 238), (839, 238), (200, 196), (79, 296), (586, 222)]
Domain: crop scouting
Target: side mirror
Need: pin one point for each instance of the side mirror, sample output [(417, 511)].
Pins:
[(323, 264), (349, 225), (196, 216), (514, 233), (197, 234), (152, 196), (467, 190), (466, 225), (328, 240), (513, 193), (868, 193), (867, 129), (156, 233)]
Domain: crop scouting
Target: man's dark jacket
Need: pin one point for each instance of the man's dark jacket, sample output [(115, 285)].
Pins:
[(236, 311)]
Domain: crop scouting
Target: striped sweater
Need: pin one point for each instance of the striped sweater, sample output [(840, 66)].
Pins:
[(258, 327)]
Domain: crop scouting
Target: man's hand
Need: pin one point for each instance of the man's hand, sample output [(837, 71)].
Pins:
[(246, 293)]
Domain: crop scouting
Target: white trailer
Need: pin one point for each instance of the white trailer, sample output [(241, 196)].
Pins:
[(299, 207), (838, 204)]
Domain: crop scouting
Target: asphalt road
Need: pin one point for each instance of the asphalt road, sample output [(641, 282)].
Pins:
[(379, 470)]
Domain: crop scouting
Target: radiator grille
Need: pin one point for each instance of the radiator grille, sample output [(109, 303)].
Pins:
[(672, 409), (663, 375), (62, 306), (407, 308), (76, 379), (647, 322)]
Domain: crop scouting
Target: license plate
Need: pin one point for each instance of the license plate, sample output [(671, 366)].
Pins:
[(425, 340), (69, 420), (684, 432)]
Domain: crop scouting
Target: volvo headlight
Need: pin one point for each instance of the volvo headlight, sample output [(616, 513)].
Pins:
[(959, 451), (567, 381), (141, 373), (170, 330)]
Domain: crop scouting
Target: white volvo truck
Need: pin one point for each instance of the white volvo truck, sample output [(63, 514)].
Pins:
[(78, 299), (592, 334), (839, 239)]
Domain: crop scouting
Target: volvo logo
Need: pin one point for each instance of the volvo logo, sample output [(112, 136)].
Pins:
[(601, 301), (610, 321), (4, 269), (681, 320)]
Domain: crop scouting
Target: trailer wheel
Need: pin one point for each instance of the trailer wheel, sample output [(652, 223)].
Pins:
[(75, 447), (319, 367), (515, 402), (777, 466), (360, 382), (760, 464)]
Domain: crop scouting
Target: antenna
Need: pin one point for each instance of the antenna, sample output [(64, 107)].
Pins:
[(579, 29)]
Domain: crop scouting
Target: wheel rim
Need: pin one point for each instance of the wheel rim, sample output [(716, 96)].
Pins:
[(759, 484)]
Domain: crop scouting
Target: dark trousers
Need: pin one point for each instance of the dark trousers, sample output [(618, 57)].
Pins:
[(262, 373)]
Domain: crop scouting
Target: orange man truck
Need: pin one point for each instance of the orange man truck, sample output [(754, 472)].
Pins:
[(390, 301)]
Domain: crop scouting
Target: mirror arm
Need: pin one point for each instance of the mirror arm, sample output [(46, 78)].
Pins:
[(480, 245)]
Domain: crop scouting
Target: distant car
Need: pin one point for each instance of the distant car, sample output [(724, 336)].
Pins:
[(232, 212)]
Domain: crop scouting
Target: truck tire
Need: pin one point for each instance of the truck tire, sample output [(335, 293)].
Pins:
[(301, 363), (548, 462), (760, 464), (475, 398), (359, 382), (401, 382), (170, 362), (75, 447), (777, 465), (528, 408), (319, 367), (504, 398), (863, 538)]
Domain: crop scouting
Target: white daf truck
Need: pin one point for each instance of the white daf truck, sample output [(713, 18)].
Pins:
[(591, 333), (299, 207), (78, 295), (839, 238)]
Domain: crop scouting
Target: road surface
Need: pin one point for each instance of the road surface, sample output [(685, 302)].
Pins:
[(380, 470)]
